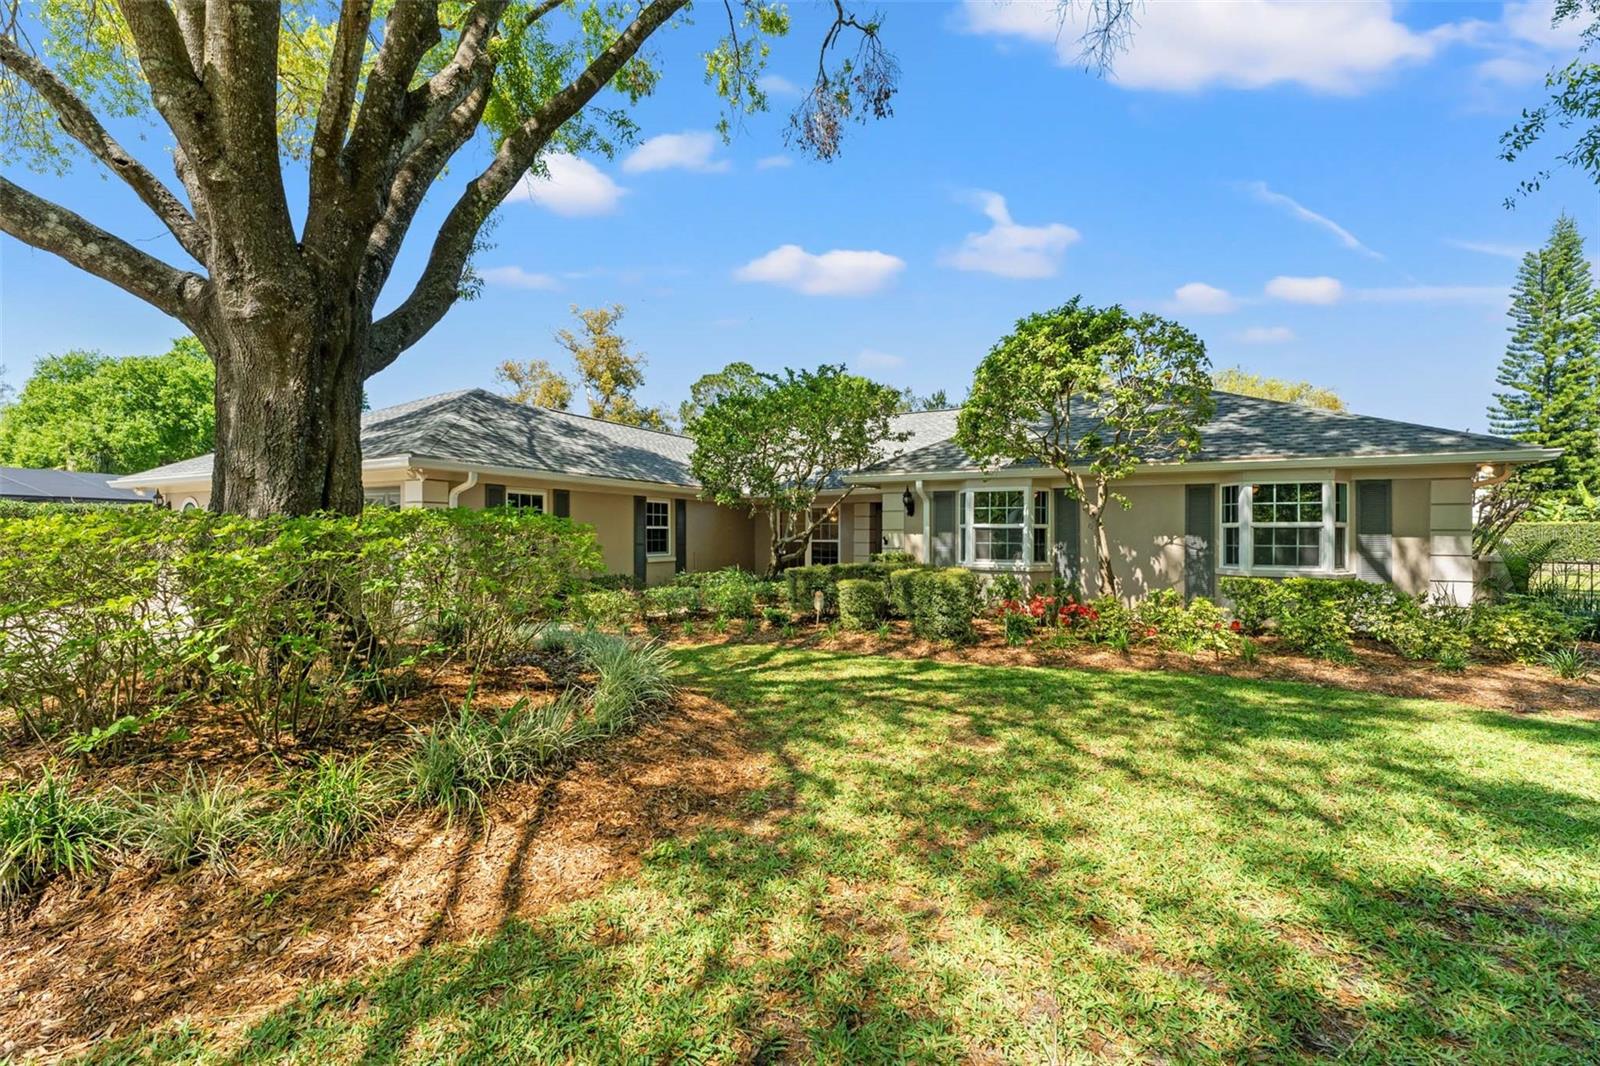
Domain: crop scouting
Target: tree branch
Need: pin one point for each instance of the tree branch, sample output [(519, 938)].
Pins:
[(85, 128), (51, 228), (439, 286), (175, 88), (338, 95)]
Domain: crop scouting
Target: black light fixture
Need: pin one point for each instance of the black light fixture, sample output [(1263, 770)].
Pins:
[(909, 501)]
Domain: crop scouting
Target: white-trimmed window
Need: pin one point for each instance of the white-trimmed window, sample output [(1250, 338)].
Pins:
[(825, 537), (1282, 526), (1041, 526), (657, 527), (525, 501), (387, 497), (999, 518)]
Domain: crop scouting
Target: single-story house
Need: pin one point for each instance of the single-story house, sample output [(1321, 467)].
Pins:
[(62, 486), (1276, 489)]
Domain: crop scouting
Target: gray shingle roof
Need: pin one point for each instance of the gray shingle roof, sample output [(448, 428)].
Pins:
[(62, 486), (477, 427), (1242, 428)]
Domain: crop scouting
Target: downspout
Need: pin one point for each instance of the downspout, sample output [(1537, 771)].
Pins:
[(927, 524), (455, 493)]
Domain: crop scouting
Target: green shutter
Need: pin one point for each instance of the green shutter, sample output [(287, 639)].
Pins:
[(638, 541)]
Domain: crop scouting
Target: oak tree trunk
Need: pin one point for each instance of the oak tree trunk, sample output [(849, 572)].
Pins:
[(288, 399)]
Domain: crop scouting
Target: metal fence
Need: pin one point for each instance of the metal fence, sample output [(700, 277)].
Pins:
[(1575, 583)]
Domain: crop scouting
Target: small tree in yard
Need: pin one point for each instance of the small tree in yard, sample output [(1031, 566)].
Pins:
[(777, 441), (1093, 392)]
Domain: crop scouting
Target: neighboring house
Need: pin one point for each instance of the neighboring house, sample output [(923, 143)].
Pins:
[(62, 486), (1277, 489)]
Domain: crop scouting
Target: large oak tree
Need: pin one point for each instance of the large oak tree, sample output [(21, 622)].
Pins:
[(376, 98)]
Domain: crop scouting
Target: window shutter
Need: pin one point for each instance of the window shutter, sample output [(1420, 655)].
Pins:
[(1199, 540), (563, 503), (494, 495), (944, 529), (638, 540), (1066, 558), (680, 533), (1375, 531)]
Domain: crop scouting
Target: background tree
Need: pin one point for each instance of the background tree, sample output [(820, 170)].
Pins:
[(1241, 382), (937, 400), (609, 372), (1550, 375), (88, 411), (1093, 392), (375, 100), (1573, 102), (535, 383), (776, 441), (709, 388)]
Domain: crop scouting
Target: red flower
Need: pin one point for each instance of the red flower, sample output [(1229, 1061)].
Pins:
[(1236, 626)]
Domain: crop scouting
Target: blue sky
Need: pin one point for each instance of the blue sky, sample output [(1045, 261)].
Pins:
[(1313, 188)]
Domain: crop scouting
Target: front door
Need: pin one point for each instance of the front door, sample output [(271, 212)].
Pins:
[(944, 529), (874, 528)]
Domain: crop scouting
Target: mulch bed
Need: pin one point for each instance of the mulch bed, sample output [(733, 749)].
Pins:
[(1496, 686), (94, 959)]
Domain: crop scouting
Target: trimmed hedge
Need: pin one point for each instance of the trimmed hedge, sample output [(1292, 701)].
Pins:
[(1572, 541), (943, 604), (861, 603), (803, 582), (902, 584)]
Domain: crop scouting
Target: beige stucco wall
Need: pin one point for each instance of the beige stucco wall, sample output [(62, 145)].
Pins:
[(1411, 562), (1146, 542)]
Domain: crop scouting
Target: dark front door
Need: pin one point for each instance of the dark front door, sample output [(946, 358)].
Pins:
[(874, 528), (1199, 541)]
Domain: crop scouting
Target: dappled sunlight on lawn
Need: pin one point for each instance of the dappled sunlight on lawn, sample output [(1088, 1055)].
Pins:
[(965, 863)]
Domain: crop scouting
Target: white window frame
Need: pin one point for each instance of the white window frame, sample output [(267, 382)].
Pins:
[(381, 496), (817, 515), (522, 500), (1039, 530), (968, 527), (1246, 524), (666, 553)]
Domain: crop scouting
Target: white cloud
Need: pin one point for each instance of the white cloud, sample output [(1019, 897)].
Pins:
[(872, 359), (1523, 45), (1008, 249), (841, 272), (772, 162), (1503, 251), (1529, 20), (1317, 290), (570, 186), (1450, 294), (1267, 335), (1261, 192), (689, 150), (1198, 298), (778, 85), (514, 277), (1241, 44)]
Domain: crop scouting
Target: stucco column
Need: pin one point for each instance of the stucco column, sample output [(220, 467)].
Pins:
[(1450, 539)]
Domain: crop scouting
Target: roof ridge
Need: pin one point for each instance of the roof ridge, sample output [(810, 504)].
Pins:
[(573, 414), (1356, 415)]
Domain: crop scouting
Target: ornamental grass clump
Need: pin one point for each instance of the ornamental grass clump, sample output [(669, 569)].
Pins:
[(327, 807), (47, 829), (201, 823)]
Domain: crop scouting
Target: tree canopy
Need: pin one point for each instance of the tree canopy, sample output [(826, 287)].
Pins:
[(1237, 380), (1094, 392), (775, 442), (1549, 378), (608, 372), (535, 383), (1572, 103), (88, 411)]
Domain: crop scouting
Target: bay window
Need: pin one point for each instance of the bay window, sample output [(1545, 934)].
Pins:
[(997, 525), (1285, 526)]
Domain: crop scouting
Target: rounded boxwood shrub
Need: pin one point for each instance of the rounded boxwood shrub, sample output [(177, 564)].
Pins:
[(861, 603), (944, 602), (902, 591)]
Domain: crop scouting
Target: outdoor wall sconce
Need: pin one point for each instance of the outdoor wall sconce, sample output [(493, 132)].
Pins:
[(909, 501)]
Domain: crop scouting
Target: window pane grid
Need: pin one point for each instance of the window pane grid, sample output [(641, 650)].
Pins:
[(1296, 546), (657, 527)]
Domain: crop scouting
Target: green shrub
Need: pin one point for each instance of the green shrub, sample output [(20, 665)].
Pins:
[(46, 830), (612, 583), (803, 582), (1525, 628), (671, 601), (944, 602), (204, 822), (1577, 541), (776, 616), (608, 609), (895, 558), (327, 807), (1003, 588), (1315, 626), (861, 603), (1251, 600), (730, 593), (1570, 663), (902, 591), (1019, 627)]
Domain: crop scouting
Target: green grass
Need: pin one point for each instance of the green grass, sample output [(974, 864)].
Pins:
[(961, 863)]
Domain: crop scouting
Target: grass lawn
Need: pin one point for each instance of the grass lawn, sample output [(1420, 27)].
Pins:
[(973, 864)]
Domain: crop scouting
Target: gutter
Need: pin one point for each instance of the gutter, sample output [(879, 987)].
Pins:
[(455, 492)]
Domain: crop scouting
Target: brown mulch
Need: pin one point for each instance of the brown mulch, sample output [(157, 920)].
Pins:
[(1512, 687), (91, 960)]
